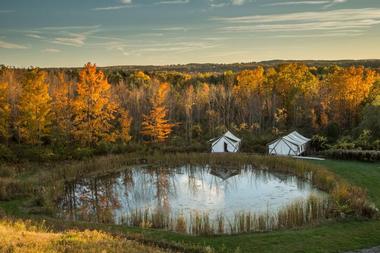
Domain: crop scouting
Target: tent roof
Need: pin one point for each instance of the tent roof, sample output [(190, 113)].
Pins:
[(231, 137), (294, 138)]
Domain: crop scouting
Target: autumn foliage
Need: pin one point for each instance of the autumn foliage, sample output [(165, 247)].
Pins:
[(33, 122), (94, 110), (155, 125), (91, 106)]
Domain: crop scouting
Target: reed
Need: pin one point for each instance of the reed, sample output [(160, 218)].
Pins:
[(296, 214), (345, 199)]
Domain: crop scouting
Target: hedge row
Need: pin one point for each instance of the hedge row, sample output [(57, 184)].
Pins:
[(360, 155)]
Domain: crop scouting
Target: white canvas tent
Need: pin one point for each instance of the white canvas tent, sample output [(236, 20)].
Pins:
[(225, 143), (293, 144)]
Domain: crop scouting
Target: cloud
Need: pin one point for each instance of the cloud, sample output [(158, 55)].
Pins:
[(10, 45), (323, 35), (124, 4), (66, 28), (33, 35), (322, 16), (238, 2), (72, 39), (176, 46), (51, 50), (335, 20), (297, 3), (325, 3), (174, 2), (172, 29), (223, 3), (111, 8), (334, 2)]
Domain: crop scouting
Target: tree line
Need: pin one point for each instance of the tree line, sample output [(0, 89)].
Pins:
[(89, 107)]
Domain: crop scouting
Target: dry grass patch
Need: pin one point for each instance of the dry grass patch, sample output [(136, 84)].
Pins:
[(26, 237)]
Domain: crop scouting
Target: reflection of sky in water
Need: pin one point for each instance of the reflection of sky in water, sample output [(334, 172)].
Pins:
[(194, 190), (186, 190)]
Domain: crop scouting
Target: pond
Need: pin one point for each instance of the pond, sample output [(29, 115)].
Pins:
[(191, 199)]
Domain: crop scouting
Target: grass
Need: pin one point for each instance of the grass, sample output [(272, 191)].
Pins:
[(332, 236), (363, 174), (28, 237)]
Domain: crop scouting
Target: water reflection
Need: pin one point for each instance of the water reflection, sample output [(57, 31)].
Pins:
[(180, 191)]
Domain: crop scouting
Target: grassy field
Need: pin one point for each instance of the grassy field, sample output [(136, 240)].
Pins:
[(332, 236)]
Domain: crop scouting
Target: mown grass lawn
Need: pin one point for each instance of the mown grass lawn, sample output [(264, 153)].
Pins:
[(364, 174), (330, 237)]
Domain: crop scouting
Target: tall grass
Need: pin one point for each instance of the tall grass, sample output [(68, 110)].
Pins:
[(47, 183), (28, 237), (296, 214)]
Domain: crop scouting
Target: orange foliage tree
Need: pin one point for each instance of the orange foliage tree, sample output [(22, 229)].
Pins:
[(93, 107), (155, 125)]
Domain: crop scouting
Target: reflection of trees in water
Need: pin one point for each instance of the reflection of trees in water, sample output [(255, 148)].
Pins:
[(109, 198), (91, 199), (162, 189)]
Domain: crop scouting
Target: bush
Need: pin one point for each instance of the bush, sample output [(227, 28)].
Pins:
[(6, 153), (255, 143), (364, 139), (319, 142), (360, 155), (345, 142), (82, 153), (12, 188), (34, 153)]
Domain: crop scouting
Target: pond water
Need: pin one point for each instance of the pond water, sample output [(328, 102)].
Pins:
[(157, 197)]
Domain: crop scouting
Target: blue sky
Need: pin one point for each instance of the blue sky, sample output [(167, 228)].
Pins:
[(117, 32)]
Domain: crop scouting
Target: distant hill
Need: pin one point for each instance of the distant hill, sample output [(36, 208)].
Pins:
[(213, 67), (216, 67)]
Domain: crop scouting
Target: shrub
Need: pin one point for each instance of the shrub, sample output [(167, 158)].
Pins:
[(12, 188), (82, 153), (345, 142), (364, 139), (360, 155), (319, 142), (6, 153), (34, 153)]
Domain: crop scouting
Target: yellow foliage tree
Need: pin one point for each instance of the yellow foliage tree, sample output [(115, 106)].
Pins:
[(345, 89), (248, 94), (94, 110), (34, 118), (62, 107), (155, 125), (5, 111), (125, 125)]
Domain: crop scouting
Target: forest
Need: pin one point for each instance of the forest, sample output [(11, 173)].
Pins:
[(74, 113)]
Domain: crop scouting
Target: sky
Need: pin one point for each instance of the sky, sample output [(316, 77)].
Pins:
[(69, 33)]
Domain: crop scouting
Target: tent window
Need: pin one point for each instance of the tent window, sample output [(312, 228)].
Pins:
[(225, 147)]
